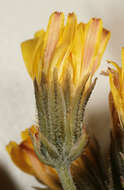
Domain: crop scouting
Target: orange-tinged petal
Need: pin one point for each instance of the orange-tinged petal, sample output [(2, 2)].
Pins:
[(56, 23), (43, 172), (24, 157), (18, 153), (104, 40), (105, 36), (19, 157), (92, 40), (64, 46)]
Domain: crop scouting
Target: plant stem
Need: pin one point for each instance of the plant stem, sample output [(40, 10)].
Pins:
[(66, 178)]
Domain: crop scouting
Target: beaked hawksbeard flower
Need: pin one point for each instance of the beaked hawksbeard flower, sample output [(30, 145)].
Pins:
[(61, 61)]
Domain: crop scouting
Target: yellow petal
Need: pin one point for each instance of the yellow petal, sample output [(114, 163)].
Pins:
[(77, 52), (70, 28), (32, 54), (25, 133), (39, 34), (28, 49)]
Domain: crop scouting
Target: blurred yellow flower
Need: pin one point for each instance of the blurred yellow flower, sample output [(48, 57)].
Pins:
[(116, 77)]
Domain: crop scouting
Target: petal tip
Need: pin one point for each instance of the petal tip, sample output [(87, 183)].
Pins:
[(10, 146)]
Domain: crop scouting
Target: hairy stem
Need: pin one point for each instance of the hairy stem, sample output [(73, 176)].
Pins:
[(66, 178)]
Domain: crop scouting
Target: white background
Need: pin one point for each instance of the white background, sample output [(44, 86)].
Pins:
[(19, 19)]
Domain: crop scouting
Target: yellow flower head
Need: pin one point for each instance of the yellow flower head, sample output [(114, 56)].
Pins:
[(74, 48), (116, 77)]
